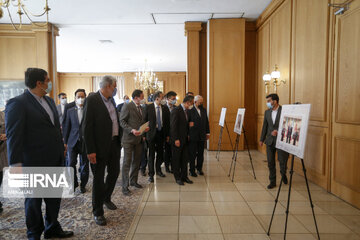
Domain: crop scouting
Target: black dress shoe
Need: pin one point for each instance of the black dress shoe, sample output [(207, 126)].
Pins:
[(200, 172), (193, 174), (82, 189), (126, 192), (59, 234), (284, 179), (187, 180), (160, 174), (180, 182), (151, 179), (110, 205), (136, 185), (100, 220), (271, 186)]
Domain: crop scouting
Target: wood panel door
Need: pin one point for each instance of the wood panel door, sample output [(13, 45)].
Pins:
[(345, 174)]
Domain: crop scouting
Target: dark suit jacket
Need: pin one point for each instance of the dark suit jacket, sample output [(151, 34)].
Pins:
[(201, 124), (97, 126), (67, 107), (32, 139), (130, 118), (72, 128), (179, 126), (268, 127), (119, 107), (151, 117)]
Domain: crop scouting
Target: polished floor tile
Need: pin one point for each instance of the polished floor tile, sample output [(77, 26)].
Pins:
[(194, 236), (197, 209), (199, 224), (164, 197), (158, 224), (230, 196), (195, 197), (240, 224), (278, 224), (326, 224), (161, 209), (141, 236), (232, 208)]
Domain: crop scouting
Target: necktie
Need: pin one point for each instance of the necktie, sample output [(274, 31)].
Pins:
[(186, 114), (139, 110), (158, 118)]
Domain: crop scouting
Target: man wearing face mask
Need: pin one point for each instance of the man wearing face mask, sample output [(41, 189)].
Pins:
[(158, 133), (73, 139), (268, 136), (102, 136), (126, 100), (199, 132), (61, 107), (170, 103), (179, 133), (34, 139), (131, 118)]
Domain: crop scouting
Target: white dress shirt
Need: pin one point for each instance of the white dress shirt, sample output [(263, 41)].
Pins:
[(273, 115)]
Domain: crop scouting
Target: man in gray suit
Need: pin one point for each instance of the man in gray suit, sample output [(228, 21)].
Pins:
[(131, 118), (268, 136), (61, 107)]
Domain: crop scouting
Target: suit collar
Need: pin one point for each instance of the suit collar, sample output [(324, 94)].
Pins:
[(35, 100)]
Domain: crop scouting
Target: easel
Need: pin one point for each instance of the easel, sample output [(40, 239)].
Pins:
[(288, 201), (235, 152), (220, 138)]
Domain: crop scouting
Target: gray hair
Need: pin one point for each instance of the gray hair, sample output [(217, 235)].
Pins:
[(107, 81), (197, 98)]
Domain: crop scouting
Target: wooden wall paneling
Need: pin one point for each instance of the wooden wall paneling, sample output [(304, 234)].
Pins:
[(280, 47), (250, 124), (310, 56), (203, 63), (345, 178), (226, 39)]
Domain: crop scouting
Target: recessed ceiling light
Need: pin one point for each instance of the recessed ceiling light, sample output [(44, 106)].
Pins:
[(106, 41)]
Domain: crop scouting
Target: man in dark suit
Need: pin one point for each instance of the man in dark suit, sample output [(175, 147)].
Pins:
[(179, 133), (199, 132), (61, 107), (126, 100), (131, 119), (159, 124), (171, 104), (289, 134), (102, 136), (34, 140), (73, 139), (268, 136)]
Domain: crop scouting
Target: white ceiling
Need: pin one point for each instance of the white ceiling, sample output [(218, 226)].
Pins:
[(130, 25)]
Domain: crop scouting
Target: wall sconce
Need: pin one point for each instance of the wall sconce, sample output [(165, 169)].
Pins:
[(267, 79), (274, 75)]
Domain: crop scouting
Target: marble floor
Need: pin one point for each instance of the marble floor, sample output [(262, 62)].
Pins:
[(215, 208)]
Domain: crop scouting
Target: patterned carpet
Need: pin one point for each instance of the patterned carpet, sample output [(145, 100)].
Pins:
[(75, 215)]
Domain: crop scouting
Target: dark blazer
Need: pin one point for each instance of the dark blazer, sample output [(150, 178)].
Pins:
[(179, 126), (130, 119), (32, 139), (268, 127), (151, 117), (201, 124), (72, 128), (97, 126), (67, 106), (119, 107)]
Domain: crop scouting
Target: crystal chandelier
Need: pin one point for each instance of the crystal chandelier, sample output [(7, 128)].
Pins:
[(146, 80), (21, 10)]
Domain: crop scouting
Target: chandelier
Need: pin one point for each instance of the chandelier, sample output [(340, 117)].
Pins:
[(21, 10), (146, 80)]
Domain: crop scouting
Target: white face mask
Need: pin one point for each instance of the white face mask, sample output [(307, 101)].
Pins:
[(80, 101), (191, 107), (163, 102), (143, 101), (63, 101)]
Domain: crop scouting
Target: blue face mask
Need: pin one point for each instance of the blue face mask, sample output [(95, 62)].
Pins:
[(49, 88), (127, 101), (114, 92), (269, 105)]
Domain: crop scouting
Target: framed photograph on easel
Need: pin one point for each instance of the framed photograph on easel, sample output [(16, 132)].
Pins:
[(222, 117), (239, 121), (293, 128)]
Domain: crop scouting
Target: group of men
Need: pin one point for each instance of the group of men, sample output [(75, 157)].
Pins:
[(93, 129)]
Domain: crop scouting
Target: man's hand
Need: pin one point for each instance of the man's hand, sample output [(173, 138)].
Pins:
[(135, 132), (92, 158), (261, 143), (3, 137), (274, 133), (177, 143), (147, 129), (191, 124), (207, 136), (167, 139)]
